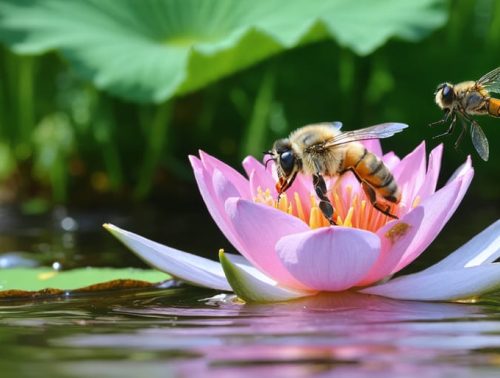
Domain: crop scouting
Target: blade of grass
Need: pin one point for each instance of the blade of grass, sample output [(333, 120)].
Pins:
[(255, 136), (155, 144)]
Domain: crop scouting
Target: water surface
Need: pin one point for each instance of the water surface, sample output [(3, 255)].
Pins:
[(185, 332), (182, 331)]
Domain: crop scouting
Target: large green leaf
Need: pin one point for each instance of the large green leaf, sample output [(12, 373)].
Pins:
[(150, 50), (46, 281)]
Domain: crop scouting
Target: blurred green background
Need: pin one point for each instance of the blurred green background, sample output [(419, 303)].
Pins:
[(102, 101)]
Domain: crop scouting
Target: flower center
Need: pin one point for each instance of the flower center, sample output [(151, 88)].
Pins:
[(352, 209)]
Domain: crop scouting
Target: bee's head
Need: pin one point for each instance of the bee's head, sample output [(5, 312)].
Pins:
[(287, 163), (445, 96)]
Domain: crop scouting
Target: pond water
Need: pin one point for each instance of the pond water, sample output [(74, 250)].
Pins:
[(179, 332), (182, 331)]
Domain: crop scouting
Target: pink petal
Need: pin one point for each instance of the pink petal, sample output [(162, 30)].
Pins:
[(303, 187), (251, 164), (347, 180), (391, 160), (374, 146), (410, 174), (465, 173), (461, 171), (429, 185), (401, 234), (253, 287), (258, 228), (259, 177), (223, 188), (425, 223), (212, 199), (329, 259), (257, 180), (266, 179), (241, 183), (438, 209)]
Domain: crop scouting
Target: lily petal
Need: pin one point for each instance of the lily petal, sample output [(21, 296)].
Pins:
[(194, 269), (241, 183), (465, 173), (423, 224), (259, 228), (429, 185), (481, 249), (391, 160), (258, 176), (211, 199), (410, 173), (443, 285), (395, 237), (260, 179), (374, 146), (331, 258), (461, 171), (253, 288), (438, 209)]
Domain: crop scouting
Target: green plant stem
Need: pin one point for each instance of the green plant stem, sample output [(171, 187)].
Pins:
[(25, 91), (156, 142), (254, 139)]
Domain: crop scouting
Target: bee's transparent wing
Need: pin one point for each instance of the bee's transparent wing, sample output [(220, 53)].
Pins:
[(337, 125), (491, 81), (480, 141), (384, 130)]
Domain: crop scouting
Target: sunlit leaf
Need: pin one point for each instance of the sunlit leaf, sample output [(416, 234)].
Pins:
[(47, 281), (150, 50)]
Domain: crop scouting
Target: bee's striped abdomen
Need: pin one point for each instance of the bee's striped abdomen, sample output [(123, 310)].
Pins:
[(371, 170), (494, 107)]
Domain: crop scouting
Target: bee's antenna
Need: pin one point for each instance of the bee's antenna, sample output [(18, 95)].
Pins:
[(267, 162)]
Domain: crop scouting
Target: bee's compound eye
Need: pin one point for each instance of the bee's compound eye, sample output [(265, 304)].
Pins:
[(287, 160), (447, 93)]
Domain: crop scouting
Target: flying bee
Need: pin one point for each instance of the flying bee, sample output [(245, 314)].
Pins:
[(323, 150), (466, 99)]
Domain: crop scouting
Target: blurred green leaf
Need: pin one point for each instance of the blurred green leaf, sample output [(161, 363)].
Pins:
[(150, 50), (37, 279), (53, 141), (7, 161)]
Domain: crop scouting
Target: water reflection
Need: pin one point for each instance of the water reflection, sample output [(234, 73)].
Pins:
[(178, 332)]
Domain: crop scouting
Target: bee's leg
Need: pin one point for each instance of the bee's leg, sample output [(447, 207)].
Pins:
[(442, 120), (450, 128), (462, 133), (373, 200), (325, 205)]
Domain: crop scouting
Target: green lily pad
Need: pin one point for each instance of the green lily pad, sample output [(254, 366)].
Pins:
[(21, 282), (150, 50)]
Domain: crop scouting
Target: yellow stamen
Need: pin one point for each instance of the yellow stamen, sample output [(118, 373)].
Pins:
[(351, 205), (338, 205), (315, 218), (348, 218), (283, 203), (298, 205)]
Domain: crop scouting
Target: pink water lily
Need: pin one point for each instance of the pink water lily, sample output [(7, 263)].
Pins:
[(289, 250)]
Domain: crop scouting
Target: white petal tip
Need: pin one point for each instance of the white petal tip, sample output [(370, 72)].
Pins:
[(253, 290), (190, 268)]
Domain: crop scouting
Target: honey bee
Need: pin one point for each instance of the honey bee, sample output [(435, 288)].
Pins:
[(323, 150), (466, 99)]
